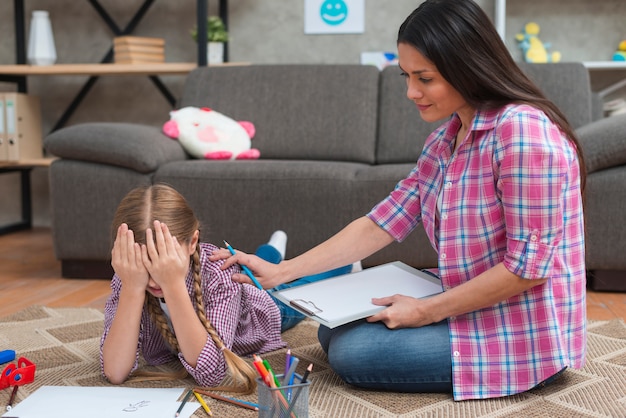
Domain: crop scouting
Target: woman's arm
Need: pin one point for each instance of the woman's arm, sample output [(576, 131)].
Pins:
[(361, 238), (487, 289)]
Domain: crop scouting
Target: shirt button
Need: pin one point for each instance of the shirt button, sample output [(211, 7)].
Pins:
[(443, 256), (444, 216), (456, 354), (452, 318), (448, 184), (533, 237)]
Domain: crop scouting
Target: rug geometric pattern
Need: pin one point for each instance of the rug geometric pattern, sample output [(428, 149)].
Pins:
[(64, 344)]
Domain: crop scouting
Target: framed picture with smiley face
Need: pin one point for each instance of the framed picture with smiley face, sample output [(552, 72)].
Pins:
[(334, 16)]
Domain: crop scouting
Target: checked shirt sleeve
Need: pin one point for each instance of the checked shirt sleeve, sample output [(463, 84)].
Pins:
[(536, 164)]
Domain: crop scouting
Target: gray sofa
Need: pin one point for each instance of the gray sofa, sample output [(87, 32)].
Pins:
[(334, 140)]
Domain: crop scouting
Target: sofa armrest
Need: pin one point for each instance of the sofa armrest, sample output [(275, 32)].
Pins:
[(138, 147), (604, 143)]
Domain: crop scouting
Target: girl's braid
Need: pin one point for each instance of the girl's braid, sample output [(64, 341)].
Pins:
[(240, 371)]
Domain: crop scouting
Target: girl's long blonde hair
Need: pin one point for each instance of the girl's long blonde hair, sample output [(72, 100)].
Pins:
[(139, 209)]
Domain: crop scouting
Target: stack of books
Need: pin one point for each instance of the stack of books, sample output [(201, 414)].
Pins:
[(138, 50)]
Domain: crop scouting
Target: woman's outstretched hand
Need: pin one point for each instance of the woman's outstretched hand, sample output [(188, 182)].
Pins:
[(266, 273)]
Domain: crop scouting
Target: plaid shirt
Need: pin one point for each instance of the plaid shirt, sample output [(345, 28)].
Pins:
[(511, 194), (246, 319)]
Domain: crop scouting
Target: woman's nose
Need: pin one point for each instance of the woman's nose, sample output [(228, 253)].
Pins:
[(413, 91)]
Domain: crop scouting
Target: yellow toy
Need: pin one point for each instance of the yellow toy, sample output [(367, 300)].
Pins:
[(620, 55), (535, 50)]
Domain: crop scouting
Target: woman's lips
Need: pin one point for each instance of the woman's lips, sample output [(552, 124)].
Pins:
[(422, 107)]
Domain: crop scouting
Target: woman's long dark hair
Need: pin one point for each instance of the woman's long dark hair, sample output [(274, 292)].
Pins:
[(460, 40)]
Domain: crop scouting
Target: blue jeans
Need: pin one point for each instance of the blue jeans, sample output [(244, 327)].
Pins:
[(372, 356)]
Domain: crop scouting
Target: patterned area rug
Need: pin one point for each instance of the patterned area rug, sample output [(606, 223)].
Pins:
[(63, 343)]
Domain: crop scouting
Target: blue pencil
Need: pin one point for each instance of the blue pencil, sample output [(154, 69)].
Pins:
[(244, 268)]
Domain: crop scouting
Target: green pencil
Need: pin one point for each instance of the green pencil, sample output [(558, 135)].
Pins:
[(182, 404)]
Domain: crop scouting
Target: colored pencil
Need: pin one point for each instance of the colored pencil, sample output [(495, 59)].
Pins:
[(299, 390), (12, 398), (182, 404), (204, 405), (244, 268), (234, 401)]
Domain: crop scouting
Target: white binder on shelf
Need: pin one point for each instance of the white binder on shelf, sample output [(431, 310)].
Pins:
[(342, 299), (4, 146), (22, 126)]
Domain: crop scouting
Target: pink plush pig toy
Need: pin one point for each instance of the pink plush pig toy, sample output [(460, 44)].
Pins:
[(206, 133)]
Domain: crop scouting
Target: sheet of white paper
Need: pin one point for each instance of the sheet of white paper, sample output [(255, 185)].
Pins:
[(101, 402)]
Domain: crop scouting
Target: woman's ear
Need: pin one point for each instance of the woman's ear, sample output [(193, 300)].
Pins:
[(194, 242)]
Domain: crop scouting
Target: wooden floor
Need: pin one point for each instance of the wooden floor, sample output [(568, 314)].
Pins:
[(30, 275)]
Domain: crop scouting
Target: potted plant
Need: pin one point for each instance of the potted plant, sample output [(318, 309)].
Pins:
[(216, 37)]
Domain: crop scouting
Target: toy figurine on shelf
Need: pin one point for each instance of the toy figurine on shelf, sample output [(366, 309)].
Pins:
[(534, 49), (620, 54)]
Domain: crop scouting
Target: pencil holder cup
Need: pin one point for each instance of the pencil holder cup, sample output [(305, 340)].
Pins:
[(287, 401)]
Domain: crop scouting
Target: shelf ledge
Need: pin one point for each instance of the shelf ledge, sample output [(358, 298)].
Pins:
[(165, 68)]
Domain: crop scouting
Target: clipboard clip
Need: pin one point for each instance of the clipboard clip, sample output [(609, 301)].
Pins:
[(306, 306)]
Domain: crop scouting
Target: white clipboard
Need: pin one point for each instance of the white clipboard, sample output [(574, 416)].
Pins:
[(342, 299)]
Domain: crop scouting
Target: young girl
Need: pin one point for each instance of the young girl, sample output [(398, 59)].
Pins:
[(169, 301)]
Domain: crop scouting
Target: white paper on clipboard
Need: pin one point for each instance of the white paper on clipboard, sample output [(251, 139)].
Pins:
[(342, 299)]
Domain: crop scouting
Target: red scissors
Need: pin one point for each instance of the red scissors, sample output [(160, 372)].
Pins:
[(19, 375)]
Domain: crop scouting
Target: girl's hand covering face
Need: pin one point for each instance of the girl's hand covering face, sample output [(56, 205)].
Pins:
[(163, 256), (126, 260)]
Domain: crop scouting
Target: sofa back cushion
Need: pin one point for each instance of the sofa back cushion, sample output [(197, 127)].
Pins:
[(304, 111), (402, 131), (567, 85)]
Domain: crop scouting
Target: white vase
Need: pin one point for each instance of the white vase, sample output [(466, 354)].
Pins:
[(41, 50), (215, 52)]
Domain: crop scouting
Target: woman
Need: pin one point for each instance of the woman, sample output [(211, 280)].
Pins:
[(498, 188)]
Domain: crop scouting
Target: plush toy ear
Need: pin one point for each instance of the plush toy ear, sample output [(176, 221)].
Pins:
[(248, 127), (170, 128)]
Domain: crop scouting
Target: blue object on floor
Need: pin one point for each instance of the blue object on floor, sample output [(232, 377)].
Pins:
[(7, 356)]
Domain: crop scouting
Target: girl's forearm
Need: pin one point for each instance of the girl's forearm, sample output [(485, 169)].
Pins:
[(119, 349), (190, 333)]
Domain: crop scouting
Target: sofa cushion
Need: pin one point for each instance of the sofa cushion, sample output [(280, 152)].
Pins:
[(310, 112), (402, 131), (604, 143), (567, 85), (245, 201), (139, 147)]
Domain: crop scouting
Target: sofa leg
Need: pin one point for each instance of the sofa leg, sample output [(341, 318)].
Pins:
[(86, 269), (607, 280)]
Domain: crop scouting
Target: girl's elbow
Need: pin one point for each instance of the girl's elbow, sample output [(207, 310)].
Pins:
[(115, 377)]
